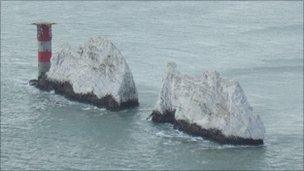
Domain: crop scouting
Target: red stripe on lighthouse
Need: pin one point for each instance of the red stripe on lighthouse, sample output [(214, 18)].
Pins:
[(44, 32), (44, 56)]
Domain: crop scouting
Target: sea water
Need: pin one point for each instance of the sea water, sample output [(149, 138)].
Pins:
[(259, 44)]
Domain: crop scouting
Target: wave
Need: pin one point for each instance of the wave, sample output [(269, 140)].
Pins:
[(266, 69), (178, 136), (293, 28)]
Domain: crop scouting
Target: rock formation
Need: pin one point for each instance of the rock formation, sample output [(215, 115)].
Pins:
[(97, 74), (209, 106)]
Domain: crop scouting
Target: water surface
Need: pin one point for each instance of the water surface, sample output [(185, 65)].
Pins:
[(260, 44)]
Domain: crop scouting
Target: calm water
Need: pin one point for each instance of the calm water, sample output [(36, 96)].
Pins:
[(260, 44)]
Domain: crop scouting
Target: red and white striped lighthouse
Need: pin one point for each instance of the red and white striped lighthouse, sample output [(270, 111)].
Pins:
[(44, 37)]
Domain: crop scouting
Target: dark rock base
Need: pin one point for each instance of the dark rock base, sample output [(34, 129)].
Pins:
[(66, 89), (195, 130)]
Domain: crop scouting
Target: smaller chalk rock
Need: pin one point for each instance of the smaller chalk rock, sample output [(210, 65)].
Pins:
[(209, 106), (96, 74)]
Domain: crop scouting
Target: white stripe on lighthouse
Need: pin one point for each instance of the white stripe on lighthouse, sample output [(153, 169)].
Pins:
[(44, 46), (43, 67)]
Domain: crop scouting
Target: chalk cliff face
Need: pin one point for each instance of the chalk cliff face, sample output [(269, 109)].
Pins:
[(209, 106), (97, 73)]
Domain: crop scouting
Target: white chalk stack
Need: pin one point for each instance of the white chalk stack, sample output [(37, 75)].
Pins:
[(96, 73), (209, 106)]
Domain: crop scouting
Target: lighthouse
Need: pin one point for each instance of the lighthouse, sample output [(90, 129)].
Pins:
[(44, 37)]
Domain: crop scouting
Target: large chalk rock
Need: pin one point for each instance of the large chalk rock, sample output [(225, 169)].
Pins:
[(209, 106), (97, 73)]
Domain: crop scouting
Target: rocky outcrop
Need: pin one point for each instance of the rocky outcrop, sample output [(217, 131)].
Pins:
[(209, 106), (96, 74)]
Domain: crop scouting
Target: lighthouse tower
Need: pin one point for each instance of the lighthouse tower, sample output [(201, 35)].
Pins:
[(44, 37)]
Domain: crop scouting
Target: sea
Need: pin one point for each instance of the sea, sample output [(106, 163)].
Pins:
[(259, 44)]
